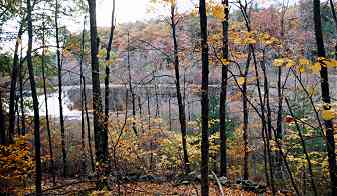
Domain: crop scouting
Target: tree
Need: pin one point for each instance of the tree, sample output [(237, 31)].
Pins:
[(37, 143), (326, 97), (223, 95), (59, 71), (107, 68), (101, 137), (204, 99), (43, 64), (181, 106)]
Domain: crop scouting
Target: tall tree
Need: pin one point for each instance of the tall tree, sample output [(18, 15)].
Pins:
[(108, 64), (59, 72), (43, 63), (2, 123), (223, 95), (181, 105), (204, 99), (37, 143), (14, 77), (325, 97), (101, 137)]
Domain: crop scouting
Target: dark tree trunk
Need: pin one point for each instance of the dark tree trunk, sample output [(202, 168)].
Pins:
[(37, 144), (326, 98), (107, 69), (59, 72), (204, 99), (82, 100), (2, 123), (23, 118), (88, 123), (101, 137), (223, 94), (133, 96), (14, 76), (52, 169), (170, 114), (148, 110), (181, 106)]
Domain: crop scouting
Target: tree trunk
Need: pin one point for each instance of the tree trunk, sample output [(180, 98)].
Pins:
[(88, 123), (37, 144), (223, 94), (181, 106), (107, 69), (133, 96), (204, 99), (2, 123), (101, 137), (23, 118), (52, 170), (12, 95), (82, 99), (59, 72), (326, 98)]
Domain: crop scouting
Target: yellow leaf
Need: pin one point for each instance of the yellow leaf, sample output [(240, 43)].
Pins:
[(241, 80), (218, 12), (304, 61), (290, 63), (225, 61), (301, 69), (279, 62), (316, 67), (327, 115)]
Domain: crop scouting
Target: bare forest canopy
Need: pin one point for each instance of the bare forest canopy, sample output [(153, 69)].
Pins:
[(215, 98)]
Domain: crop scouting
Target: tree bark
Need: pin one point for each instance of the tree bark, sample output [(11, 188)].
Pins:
[(59, 75), (14, 76), (204, 99), (101, 137), (326, 98), (23, 118), (52, 170), (181, 106), (2, 123), (133, 96), (37, 144), (223, 94), (107, 69)]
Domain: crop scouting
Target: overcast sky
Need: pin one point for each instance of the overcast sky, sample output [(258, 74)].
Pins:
[(130, 10)]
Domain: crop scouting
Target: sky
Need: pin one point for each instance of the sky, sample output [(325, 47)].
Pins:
[(130, 10)]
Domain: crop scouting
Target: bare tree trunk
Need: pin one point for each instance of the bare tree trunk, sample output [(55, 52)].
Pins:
[(204, 99), (37, 144), (14, 76), (133, 99), (181, 106), (2, 123), (149, 111), (82, 99), (107, 69), (223, 94), (326, 98), (101, 137), (59, 71), (23, 118), (88, 123), (52, 169)]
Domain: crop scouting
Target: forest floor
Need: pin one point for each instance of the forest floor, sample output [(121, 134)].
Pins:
[(85, 187)]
